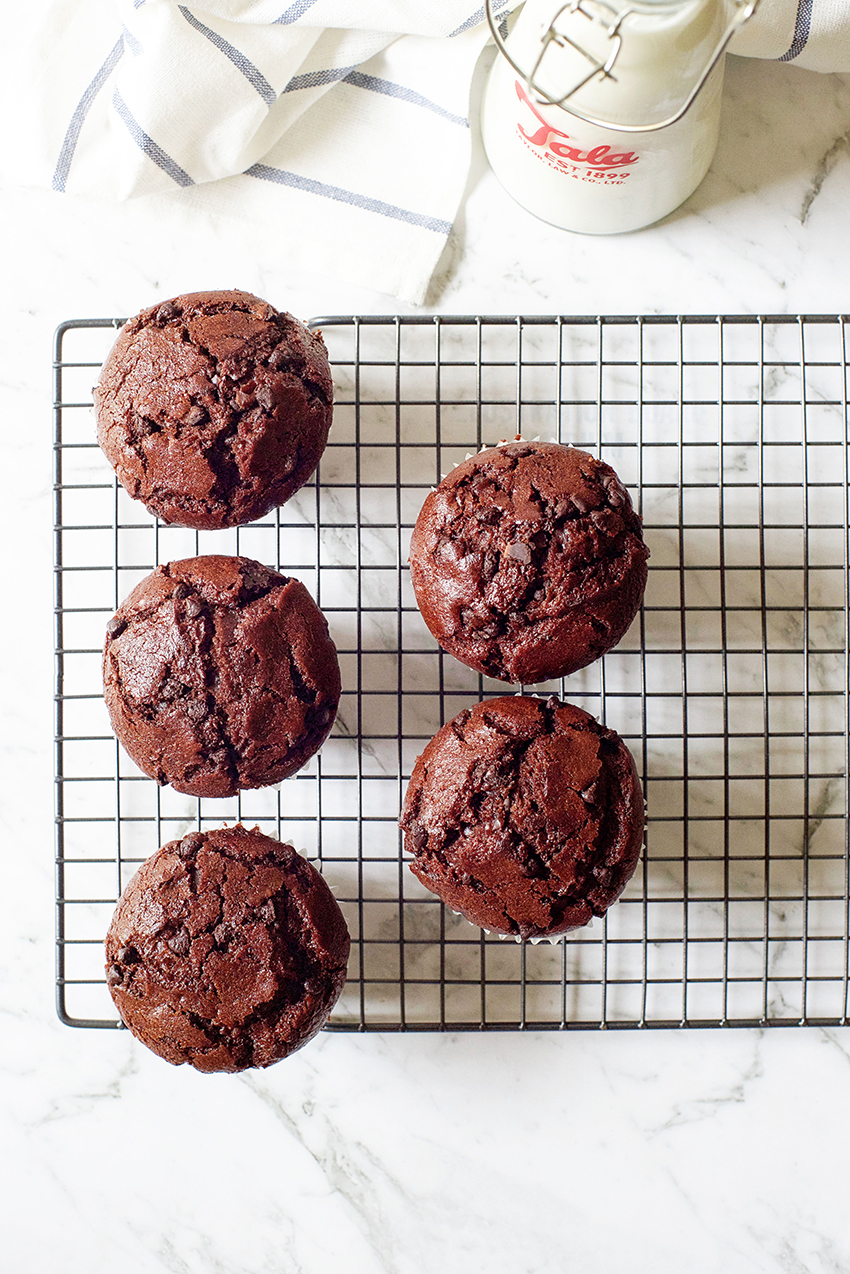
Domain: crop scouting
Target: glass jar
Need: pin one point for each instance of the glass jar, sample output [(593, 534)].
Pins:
[(602, 116)]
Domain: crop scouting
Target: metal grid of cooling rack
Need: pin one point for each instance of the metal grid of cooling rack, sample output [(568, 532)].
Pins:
[(731, 688)]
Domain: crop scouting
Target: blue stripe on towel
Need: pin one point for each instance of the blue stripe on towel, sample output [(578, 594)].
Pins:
[(375, 85), (72, 135), (254, 77), (148, 145), (312, 79), (294, 12), (132, 43), (474, 18), (802, 26), (351, 75), (348, 196)]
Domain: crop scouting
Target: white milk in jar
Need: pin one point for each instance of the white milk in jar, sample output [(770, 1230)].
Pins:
[(602, 116)]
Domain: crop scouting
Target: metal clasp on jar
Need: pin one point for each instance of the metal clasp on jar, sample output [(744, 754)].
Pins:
[(744, 10)]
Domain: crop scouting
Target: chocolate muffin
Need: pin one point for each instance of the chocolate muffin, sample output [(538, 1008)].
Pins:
[(525, 815), (219, 674), (528, 561), (214, 408), (226, 950)]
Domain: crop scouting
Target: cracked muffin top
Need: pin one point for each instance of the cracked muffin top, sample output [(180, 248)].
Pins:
[(525, 815), (220, 674), (226, 950), (528, 561), (214, 408)]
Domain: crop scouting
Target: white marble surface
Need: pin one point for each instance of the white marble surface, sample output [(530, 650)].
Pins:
[(655, 1151)]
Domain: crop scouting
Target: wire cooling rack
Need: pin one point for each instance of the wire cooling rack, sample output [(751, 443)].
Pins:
[(731, 688)]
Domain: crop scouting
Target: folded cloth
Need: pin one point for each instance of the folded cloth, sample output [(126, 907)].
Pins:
[(814, 34), (340, 129)]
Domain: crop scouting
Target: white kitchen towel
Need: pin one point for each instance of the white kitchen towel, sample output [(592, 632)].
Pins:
[(337, 129), (813, 34)]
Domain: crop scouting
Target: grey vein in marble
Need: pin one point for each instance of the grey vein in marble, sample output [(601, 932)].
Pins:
[(706, 1107), (349, 1167), (827, 163)]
